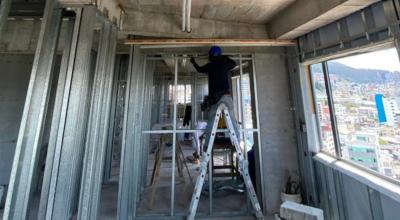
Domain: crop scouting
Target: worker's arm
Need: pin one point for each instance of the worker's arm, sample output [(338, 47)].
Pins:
[(230, 63), (200, 69)]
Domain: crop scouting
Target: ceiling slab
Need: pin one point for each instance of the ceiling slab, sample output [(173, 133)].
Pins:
[(169, 26), (243, 11)]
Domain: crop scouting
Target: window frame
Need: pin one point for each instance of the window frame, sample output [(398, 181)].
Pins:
[(332, 113)]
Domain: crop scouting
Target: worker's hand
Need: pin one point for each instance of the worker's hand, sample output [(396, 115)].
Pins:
[(192, 60)]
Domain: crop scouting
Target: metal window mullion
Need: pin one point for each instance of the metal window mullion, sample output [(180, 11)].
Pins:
[(314, 102), (33, 118), (4, 11), (331, 109)]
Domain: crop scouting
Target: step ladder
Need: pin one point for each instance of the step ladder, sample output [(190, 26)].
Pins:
[(243, 165)]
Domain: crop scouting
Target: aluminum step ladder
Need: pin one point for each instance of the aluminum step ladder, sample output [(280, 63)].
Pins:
[(243, 166)]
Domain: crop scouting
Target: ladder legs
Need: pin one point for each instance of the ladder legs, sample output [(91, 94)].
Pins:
[(243, 165), (203, 169)]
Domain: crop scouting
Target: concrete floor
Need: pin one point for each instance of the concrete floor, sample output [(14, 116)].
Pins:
[(223, 201)]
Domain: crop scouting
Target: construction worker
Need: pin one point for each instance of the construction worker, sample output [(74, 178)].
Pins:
[(219, 90)]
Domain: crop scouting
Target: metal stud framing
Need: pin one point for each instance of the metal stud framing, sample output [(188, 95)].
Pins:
[(63, 78), (127, 194), (349, 33), (136, 136), (97, 132), (33, 118), (64, 165)]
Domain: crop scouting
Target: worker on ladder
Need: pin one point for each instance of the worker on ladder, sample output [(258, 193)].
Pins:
[(219, 91), (221, 104)]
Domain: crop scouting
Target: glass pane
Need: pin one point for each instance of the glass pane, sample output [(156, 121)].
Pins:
[(249, 111), (322, 109), (366, 95)]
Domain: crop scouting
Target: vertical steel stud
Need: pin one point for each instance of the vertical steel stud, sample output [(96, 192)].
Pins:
[(97, 132), (71, 131), (33, 118)]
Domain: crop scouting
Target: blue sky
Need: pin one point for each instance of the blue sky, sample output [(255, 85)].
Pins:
[(381, 60)]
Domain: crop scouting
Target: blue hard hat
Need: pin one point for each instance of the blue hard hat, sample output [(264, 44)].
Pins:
[(215, 51)]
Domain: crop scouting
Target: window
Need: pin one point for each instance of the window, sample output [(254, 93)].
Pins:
[(363, 93), (322, 109), (184, 93)]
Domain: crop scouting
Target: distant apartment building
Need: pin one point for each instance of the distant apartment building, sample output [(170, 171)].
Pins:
[(323, 109), (388, 110), (362, 148), (386, 162)]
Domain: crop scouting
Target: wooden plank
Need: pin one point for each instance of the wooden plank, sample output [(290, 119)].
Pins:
[(208, 41)]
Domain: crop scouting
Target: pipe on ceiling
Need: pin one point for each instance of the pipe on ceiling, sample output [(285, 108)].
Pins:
[(188, 12), (184, 15)]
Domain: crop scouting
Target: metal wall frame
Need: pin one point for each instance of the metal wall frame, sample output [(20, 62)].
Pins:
[(65, 156), (118, 96), (127, 191), (360, 29), (64, 79), (134, 155), (98, 125), (32, 123), (70, 134)]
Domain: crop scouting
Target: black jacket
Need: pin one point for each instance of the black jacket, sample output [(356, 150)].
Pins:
[(218, 71)]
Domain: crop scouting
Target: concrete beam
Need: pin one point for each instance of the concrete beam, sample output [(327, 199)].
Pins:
[(169, 25), (304, 16), (209, 42)]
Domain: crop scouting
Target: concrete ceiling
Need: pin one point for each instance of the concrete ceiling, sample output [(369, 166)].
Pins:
[(251, 19), (243, 11)]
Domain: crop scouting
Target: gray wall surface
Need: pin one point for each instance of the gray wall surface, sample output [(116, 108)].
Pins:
[(21, 36), (341, 196), (278, 140), (14, 77)]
